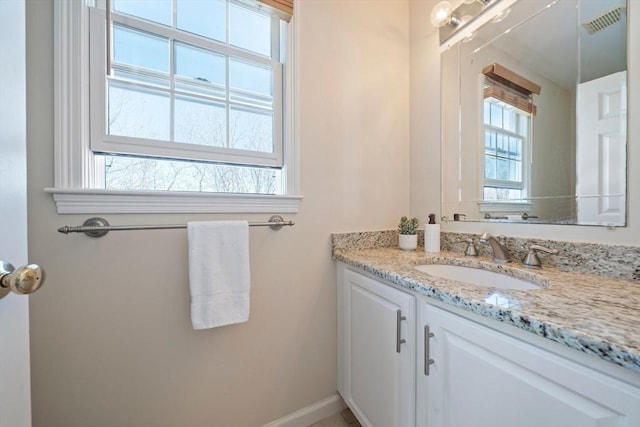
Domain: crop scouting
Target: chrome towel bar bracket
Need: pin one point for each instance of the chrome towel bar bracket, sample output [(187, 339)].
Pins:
[(98, 227)]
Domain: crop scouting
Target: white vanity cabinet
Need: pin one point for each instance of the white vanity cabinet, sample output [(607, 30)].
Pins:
[(483, 377), (376, 350), (483, 373)]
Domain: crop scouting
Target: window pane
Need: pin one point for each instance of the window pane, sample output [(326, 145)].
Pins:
[(251, 130), (490, 167), (490, 193), (200, 64), (503, 144), (509, 120), (487, 112), (495, 193), (505, 194), (132, 173), (512, 194), (152, 10), (138, 112), (128, 45), (200, 122), (250, 78), (204, 18), (496, 115), (524, 125), (249, 30), (515, 147), (502, 169), (515, 171), (490, 142)]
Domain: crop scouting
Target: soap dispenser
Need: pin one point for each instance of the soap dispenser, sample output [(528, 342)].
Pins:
[(432, 235)]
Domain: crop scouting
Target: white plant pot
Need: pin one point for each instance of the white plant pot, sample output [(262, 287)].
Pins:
[(408, 242)]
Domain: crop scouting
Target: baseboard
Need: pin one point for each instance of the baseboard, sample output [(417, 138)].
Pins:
[(313, 413)]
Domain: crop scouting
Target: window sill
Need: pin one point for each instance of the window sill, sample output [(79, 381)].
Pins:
[(505, 207), (93, 201)]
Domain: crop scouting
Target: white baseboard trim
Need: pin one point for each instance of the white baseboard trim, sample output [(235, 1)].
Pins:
[(313, 413)]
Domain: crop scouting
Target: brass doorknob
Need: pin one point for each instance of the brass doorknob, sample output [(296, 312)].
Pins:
[(24, 280)]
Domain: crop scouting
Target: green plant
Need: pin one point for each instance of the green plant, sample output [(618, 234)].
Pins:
[(408, 226)]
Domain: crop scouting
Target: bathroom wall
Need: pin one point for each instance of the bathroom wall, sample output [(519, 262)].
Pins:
[(425, 111), (425, 143), (111, 339)]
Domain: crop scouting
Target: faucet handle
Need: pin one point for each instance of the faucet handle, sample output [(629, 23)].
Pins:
[(457, 216), (470, 250), (531, 260)]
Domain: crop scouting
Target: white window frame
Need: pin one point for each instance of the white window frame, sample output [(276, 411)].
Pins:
[(77, 171), (502, 206)]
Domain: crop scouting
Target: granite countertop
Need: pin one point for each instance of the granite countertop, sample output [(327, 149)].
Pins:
[(594, 314)]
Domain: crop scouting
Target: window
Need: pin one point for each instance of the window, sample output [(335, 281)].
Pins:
[(506, 135), (508, 110), (179, 100)]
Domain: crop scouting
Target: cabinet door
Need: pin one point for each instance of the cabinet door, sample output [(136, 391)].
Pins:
[(377, 351), (484, 378)]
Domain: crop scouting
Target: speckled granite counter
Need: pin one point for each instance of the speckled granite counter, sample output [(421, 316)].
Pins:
[(594, 314)]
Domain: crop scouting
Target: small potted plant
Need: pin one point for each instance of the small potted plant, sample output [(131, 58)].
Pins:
[(408, 238)]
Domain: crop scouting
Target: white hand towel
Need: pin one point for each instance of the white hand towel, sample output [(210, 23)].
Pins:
[(219, 276)]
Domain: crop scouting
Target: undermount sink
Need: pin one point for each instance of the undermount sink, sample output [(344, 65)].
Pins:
[(477, 277)]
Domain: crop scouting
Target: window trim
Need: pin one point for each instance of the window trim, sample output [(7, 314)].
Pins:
[(76, 168), (95, 201), (507, 205)]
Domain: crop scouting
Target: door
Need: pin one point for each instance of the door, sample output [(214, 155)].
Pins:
[(378, 352), (601, 146), (15, 393), (483, 378)]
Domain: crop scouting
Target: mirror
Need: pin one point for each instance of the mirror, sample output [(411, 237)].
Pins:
[(553, 157)]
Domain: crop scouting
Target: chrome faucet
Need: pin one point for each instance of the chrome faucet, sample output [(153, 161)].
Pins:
[(498, 245)]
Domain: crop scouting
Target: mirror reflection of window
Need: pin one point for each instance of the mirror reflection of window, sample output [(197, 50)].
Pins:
[(506, 142), (507, 121)]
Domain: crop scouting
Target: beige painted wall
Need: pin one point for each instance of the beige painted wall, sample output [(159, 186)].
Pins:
[(424, 111), (425, 142), (111, 338)]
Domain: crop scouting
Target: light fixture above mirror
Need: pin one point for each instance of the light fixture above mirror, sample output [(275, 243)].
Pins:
[(441, 15), (450, 20)]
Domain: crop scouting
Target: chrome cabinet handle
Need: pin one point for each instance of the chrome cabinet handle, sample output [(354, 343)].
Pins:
[(24, 280), (399, 340), (427, 361)]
